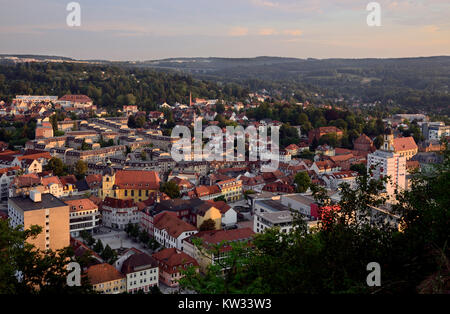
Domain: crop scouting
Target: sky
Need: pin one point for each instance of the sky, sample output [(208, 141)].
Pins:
[(156, 29)]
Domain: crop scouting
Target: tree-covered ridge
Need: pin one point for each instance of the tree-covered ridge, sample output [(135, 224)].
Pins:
[(420, 83), (109, 86)]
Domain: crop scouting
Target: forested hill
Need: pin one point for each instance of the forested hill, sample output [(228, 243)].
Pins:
[(417, 84), (109, 85), (412, 82)]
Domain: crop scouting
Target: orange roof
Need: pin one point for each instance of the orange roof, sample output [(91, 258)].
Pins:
[(5, 170), (137, 179), (103, 273), (81, 204), (76, 98), (404, 143), (50, 180), (173, 258), (172, 224)]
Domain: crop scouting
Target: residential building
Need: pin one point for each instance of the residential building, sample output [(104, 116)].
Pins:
[(106, 279), (141, 271), (387, 163), (282, 220), (170, 262), (231, 189), (44, 210), (170, 231), (84, 215), (117, 213)]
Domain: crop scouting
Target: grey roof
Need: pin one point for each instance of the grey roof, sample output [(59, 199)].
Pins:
[(48, 201), (272, 205), (277, 217)]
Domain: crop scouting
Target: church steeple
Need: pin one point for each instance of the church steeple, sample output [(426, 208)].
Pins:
[(388, 143)]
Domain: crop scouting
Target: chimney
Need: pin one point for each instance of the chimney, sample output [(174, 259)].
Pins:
[(35, 196)]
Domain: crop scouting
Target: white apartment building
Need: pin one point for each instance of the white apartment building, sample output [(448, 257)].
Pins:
[(142, 272), (170, 231), (281, 219), (388, 164), (84, 215), (118, 213)]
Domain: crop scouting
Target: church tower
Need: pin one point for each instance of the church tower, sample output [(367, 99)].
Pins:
[(388, 143)]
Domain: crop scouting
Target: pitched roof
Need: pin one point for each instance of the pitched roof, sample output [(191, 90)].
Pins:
[(404, 143), (118, 203), (103, 273), (137, 179), (76, 98), (363, 139), (81, 204), (50, 180), (173, 258), (172, 224), (138, 262)]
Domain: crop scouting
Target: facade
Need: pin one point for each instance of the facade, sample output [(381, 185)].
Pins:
[(194, 211), (170, 231), (319, 132), (106, 279), (43, 210), (6, 177), (117, 213), (84, 215), (388, 164), (231, 189), (171, 262), (141, 271), (129, 184), (264, 220)]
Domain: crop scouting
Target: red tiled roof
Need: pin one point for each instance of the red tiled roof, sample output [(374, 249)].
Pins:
[(118, 203), (103, 273), (172, 224), (137, 179), (404, 143), (173, 258), (76, 98), (81, 204)]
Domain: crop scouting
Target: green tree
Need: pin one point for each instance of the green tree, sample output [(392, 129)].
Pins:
[(98, 247), (302, 181), (55, 165), (41, 272), (171, 189), (360, 168), (108, 255), (80, 169)]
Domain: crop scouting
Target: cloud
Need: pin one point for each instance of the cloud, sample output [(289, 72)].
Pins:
[(431, 29), (267, 32), (293, 32), (264, 3), (238, 31)]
